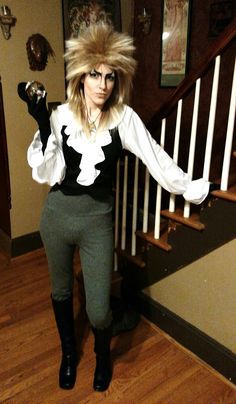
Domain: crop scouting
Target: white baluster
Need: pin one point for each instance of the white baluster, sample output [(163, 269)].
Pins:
[(229, 136), (124, 206), (157, 225), (176, 149), (146, 201), (211, 121), (193, 140), (135, 208)]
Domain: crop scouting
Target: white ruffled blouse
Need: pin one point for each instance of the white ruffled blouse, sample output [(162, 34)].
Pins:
[(50, 167)]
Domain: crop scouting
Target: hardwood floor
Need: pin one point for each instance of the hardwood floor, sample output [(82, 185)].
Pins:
[(149, 367)]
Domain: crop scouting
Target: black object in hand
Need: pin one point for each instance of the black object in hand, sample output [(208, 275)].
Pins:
[(37, 108), (21, 89), (36, 104), (35, 87)]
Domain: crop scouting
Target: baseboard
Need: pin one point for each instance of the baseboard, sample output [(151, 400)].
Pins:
[(210, 351), (24, 244)]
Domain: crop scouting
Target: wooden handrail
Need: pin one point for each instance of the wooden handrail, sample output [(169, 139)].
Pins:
[(185, 86)]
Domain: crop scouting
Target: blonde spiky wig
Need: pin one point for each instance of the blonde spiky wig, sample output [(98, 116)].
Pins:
[(99, 44)]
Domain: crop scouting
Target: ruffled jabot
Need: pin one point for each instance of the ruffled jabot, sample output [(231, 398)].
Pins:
[(91, 150), (89, 147)]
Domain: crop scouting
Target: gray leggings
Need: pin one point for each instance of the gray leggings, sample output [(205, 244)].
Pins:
[(79, 220)]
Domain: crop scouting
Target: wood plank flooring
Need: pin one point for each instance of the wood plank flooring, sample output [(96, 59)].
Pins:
[(149, 366)]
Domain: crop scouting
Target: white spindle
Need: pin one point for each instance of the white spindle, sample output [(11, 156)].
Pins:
[(211, 121), (157, 225), (124, 207), (176, 149), (135, 208), (117, 211), (229, 136), (146, 201), (193, 140)]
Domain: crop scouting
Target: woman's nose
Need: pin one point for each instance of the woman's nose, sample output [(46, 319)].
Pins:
[(103, 82)]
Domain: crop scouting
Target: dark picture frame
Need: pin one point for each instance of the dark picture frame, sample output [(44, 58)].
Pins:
[(78, 14), (175, 41), (221, 13)]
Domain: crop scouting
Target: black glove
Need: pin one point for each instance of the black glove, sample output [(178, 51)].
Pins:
[(38, 110)]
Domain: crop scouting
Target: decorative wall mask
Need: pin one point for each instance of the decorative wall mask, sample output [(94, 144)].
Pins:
[(38, 51)]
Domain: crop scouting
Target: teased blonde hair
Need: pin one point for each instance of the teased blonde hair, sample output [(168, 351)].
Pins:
[(99, 44)]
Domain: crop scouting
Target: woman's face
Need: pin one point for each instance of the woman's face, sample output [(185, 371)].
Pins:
[(98, 86)]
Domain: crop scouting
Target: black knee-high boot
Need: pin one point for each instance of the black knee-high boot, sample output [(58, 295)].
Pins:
[(63, 311), (103, 370)]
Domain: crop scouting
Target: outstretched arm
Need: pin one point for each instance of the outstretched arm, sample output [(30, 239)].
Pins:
[(136, 138)]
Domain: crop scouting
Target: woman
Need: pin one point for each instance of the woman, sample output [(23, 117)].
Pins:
[(76, 152)]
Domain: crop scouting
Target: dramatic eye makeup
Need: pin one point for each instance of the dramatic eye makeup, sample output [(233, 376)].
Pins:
[(109, 76), (93, 73)]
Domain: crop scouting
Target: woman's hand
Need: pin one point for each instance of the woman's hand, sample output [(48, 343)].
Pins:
[(37, 107)]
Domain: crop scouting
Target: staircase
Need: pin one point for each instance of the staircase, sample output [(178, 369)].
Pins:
[(208, 151), (152, 227)]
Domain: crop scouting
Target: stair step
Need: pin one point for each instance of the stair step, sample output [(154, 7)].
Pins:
[(229, 195), (160, 242), (135, 259), (177, 216)]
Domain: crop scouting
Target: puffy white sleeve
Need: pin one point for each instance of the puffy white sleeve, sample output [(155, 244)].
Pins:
[(48, 167), (136, 138)]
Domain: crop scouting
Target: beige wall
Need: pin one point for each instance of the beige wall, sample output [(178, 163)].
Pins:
[(203, 294), (38, 16)]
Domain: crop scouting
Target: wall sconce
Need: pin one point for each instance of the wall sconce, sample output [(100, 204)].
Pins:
[(145, 20), (6, 21)]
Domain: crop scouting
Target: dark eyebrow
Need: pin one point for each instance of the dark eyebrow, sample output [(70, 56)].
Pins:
[(95, 71), (107, 75)]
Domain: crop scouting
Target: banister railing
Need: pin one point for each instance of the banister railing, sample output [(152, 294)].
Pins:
[(157, 233), (220, 44)]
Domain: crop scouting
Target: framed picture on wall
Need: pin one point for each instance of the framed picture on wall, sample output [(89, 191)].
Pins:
[(79, 14), (175, 39)]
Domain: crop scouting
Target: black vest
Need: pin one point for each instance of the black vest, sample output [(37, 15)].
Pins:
[(102, 186)]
